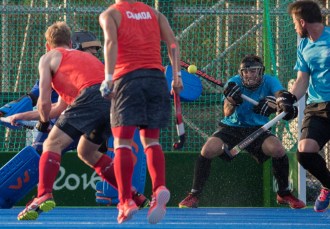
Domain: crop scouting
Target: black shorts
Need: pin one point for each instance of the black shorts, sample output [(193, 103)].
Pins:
[(233, 135), (88, 115), (142, 99), (316, 123)]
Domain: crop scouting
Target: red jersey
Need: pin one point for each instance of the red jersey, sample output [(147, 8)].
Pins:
[(77, 70), (138, 39)]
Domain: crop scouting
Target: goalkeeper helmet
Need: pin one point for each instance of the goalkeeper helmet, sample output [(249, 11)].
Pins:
[(82, 40), (251, 71)]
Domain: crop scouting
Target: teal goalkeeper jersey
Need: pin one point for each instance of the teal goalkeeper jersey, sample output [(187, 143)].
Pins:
[(244, 115), (314, 59)]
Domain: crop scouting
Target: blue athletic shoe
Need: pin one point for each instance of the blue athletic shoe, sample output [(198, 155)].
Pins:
[(322, 201)]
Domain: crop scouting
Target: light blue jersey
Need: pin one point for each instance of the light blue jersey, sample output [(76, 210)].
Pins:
[(314, 59), (244, 115)]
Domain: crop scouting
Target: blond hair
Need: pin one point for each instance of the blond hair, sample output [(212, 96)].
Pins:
[(58, 34)]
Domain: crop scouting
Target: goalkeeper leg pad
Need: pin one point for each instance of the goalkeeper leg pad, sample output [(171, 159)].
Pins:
[(19, 176), (105, 193), (140, 167)]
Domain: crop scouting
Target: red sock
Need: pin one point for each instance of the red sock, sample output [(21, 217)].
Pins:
[(49, 166), (123, 165), (105, 169), (156, 165)]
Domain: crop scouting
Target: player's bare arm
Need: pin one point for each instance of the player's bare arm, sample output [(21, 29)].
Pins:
[(300, 86), (109, 21), (228, 108), (48, 65), (56, 110), (168, 36)]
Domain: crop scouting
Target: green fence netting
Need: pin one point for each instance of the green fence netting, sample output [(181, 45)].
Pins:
[(214, 35)]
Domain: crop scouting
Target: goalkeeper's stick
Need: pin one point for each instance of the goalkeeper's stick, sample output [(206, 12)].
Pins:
[(177, 102), (21, 123), (211, 79), (249, 139)]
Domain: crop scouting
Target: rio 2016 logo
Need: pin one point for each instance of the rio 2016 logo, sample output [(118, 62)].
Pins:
[(73, 181)]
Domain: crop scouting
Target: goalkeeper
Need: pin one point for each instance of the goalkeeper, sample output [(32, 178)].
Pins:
[(22, 109), (241, 119)]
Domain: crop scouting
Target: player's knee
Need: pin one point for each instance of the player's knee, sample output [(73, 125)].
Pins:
[(273, 148), (212, 148), (308, 145), (209, 152)]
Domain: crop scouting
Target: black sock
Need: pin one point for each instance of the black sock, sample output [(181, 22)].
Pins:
[(315, 164), (280, 168), (201, 174)]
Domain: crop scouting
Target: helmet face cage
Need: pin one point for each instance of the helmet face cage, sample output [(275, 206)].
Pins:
[(83, 39), (251, 72)]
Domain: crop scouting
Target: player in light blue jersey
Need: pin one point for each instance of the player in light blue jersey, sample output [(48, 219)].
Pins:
[(241, 119), (313, 77)]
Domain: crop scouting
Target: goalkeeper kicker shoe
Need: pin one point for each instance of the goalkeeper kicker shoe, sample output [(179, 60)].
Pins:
[(191, 201), (290, 200), (158, 203), (322, 201), (44, 203)]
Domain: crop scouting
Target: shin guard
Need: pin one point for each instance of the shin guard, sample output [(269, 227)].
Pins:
[(201, 174), (280, 168), (316, 165)]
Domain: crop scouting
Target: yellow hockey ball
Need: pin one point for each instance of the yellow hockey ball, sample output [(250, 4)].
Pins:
[(192, 69)]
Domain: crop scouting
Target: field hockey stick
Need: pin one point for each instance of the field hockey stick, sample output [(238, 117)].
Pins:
[(177, 102), (249, 139), (211, 79), (21, 123)]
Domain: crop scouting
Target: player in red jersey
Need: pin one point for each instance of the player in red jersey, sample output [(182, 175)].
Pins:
[(76, 76), (134, 79)]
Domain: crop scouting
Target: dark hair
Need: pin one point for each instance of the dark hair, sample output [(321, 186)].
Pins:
[(251, 60), (310, 11)]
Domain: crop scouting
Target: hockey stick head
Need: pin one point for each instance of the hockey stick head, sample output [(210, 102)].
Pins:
[(179, 123), (230, 153), (179, 144)]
